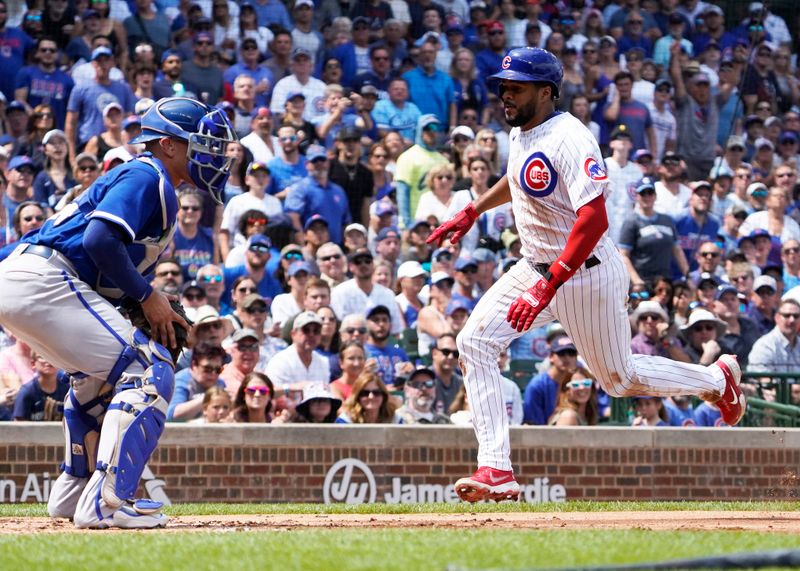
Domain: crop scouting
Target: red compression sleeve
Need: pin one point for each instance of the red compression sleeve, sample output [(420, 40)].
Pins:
[(589, 227)]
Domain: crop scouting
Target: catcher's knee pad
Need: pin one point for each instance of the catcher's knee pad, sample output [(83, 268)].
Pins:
[(131, 429)]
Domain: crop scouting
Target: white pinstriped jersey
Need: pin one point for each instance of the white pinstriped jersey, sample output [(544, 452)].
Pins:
[(553, 170)]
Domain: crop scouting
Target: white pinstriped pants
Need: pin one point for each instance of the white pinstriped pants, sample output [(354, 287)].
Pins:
[(592, 308)]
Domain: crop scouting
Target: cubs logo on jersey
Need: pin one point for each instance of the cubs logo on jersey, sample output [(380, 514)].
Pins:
[(537, 177), (594, 171)]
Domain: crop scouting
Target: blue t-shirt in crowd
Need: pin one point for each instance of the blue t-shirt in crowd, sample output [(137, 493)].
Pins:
[(691, 235), (387, 357), (14, 43), (706, 415), (539, 399), (268, 287), (308, 198), (431, 93), (52, 88), (89, 100), (679, 416), (388, 116), (194, 253), (33, 403), (284, 174)]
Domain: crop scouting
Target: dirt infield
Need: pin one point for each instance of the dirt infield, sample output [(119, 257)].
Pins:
[(781, 522)]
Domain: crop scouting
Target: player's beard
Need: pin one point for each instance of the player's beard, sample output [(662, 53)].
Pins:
[(520, 114)]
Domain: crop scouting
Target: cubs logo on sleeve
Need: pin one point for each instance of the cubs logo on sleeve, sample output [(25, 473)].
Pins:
[(594, 170), (537, 177)]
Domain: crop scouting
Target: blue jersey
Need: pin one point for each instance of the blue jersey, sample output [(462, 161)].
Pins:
[(137, 196), (13, 45), (308, 198), (194, 253), (89, 100), (387, 357), (52, 88), (679, 416), (268, 287), (285, 174)]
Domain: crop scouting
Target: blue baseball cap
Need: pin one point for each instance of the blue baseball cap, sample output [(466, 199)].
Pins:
[(131, 120), (20, 161), (170, 53), (298, 267), (464, 263), (723, 289), (455, 305), (315, 218), (16, 106), (388, 232), (315, 152), (645, 183), (294, 94), (384, 207), (100, 52), (259, 240), (484, 255)]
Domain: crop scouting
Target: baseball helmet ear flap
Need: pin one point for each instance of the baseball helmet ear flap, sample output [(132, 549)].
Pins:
[(528, 64)]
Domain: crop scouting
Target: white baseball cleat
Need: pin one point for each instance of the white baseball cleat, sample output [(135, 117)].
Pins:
[(488, 484)]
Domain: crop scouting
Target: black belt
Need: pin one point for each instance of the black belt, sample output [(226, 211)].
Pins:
[(39, 250), (543, 267)]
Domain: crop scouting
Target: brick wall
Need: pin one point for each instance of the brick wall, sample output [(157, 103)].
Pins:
[(239, 463)]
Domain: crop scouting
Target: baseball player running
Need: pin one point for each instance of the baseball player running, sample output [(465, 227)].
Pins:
[(60, 287), (558, 186)]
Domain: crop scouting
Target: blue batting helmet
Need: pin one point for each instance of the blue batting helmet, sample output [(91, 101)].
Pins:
[(530, 64), (207, 131)]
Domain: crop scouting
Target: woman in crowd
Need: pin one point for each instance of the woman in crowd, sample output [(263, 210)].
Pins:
[(650, 411), (681, 298), (318, 406), (788, 84), (573, 83), (253, 401), (28, 216), (577, 402), (41, 122), (111, 137), (369, 402), (249, 28), (293, 116), (579, 107), (55, 178), (469, 88), (487, 141), (241, 288), (217, 406), (381, 178), (492, 222), (290, 254), (111, 29), (353, 359), (329, 340), (287, 305), (591, 25), (226, 27), (434, 204), (241, 158)]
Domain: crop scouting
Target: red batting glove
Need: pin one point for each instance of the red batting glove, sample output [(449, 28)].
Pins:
[(459, 225), (526, 307)]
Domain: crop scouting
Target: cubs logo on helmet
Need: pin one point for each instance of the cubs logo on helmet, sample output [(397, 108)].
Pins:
[(593, 170), (506, 62), (537, 177)]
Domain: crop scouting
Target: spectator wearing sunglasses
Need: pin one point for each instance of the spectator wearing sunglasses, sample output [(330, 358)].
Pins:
[(168, 275), (243, 349), (193, 296), (369, 402), (449, 381), (577, 402), (28, 217), (332, 262), (392, 360), (253, 401), (420, 398), (253, 221), (86, 171), (702, 334), (213, 281), (192, 383), (541, 394), (255, 266), (192, 245), (299, 363), (652, 333)]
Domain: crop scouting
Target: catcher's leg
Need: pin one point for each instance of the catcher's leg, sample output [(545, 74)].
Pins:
[(84, 408), (130, 432)]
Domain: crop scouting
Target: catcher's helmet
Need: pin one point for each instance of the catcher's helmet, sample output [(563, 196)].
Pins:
[(530, 64), (207, 131)]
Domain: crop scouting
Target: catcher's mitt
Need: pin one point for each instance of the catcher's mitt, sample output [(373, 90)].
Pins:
[(135, 314)]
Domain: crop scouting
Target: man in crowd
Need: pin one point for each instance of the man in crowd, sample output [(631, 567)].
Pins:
[(420, 395), (192, 383), (299, 363), (541, 394), (391, 358), (448, 375)]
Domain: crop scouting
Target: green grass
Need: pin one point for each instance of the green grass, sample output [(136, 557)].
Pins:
[(28, 510), (387, 550)]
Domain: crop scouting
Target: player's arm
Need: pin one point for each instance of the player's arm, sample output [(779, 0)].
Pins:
[(104, 241), (70, 131), (461, 223), (592, 222)]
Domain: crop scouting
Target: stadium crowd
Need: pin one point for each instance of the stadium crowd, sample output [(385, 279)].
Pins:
[(362, 125)]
